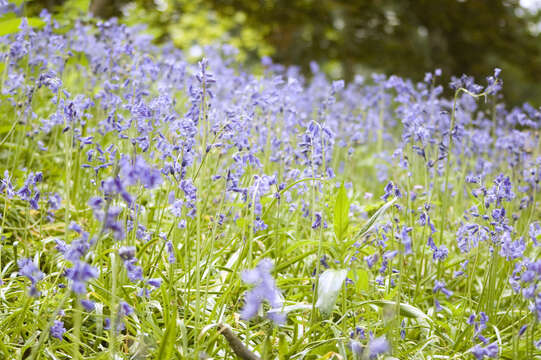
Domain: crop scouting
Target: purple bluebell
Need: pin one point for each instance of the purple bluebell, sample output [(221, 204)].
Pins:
[(317, 220), (522, 330), (50, 80), (79, 274), (490, 351), (406, 239), (371, 259), (155, 282), (127, 254), (170, 252), (440, 286), (356, 348), (438, 254), (124, 309), (28, 269), (58, 330), (88, 305), (391, 190), (437, 305), (264, 289), (378, 346)]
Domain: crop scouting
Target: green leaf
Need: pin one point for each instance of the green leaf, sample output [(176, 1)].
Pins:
[(16, 2), (406, 310), (368, 226), (341, 213), (329, 285), (168, 340), (11, 26), (361, 279), (283, 346)]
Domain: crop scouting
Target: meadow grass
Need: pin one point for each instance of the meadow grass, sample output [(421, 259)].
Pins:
[(157, 208)]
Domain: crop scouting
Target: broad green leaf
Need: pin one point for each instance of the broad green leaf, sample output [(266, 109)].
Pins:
[(329, 285), (341, 213), (11, 26), (16, 2), (360, 278)]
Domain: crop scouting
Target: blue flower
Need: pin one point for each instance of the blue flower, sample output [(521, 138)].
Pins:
[(264, 289), (88, 305), (480, 352), (28, 269), (317, 220), (58, 330), (79, 274), (440, 286), (378, 346)]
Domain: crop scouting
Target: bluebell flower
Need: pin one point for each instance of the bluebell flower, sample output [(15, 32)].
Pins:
[(58, 330), (154, 282), (437, 305), (6, 185), (511, 249), (170, 252), (378, 346), (317, 220), (88, 305), (391, 190), (439, 254), (356, 348), (264, 289), (535, 233), (124, 309), (490, 351), (50, 80), (79, 274), (371, 259), (127, 254), (440, 286), (406, 239), (358, 333), (28, 269)]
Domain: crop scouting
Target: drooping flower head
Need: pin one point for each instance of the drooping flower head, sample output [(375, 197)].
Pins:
[(28, 269), (264, 289)]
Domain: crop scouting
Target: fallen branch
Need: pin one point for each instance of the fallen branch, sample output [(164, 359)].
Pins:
[(236, 344)]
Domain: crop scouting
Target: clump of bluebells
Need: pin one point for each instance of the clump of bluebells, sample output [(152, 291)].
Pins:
[(134, 182), (264, 288)]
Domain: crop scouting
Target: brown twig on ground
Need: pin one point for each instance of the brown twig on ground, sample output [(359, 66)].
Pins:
[(236, 344)]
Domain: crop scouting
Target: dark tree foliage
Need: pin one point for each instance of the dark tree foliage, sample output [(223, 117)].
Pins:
[(403, 37)]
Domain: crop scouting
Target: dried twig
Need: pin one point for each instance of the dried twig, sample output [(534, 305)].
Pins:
[(236, 344)]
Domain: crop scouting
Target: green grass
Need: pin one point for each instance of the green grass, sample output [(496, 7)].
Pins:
[(203, 289)]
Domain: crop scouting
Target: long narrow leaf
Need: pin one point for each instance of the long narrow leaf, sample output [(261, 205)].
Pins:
[(341, 213), (368, 226)]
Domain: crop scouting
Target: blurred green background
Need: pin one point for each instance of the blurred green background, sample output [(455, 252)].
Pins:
[(348, 37)]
